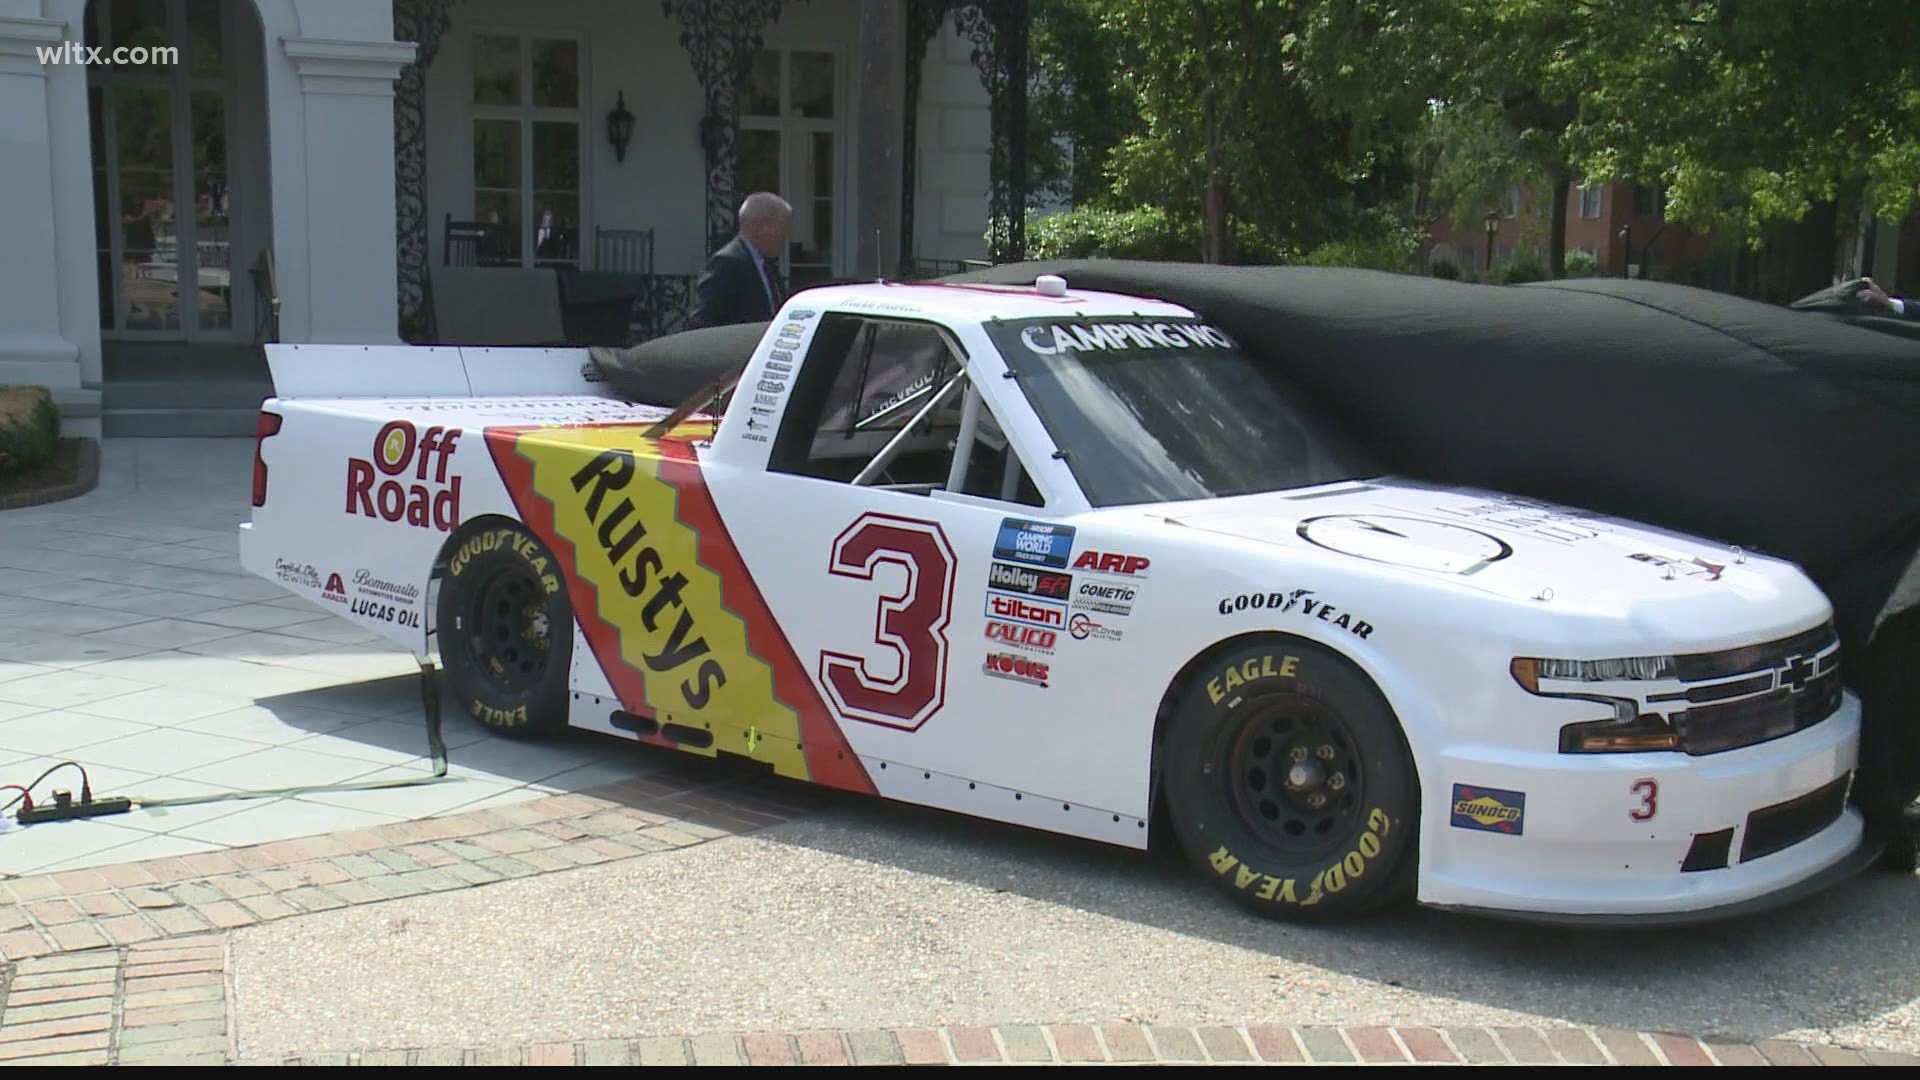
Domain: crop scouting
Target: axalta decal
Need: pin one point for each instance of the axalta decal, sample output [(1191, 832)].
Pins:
[(667, 607), (1301, 599), (406, 477), (1489, 809)]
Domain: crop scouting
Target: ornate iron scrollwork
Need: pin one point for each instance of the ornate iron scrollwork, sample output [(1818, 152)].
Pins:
[(422, 22), (720, 37), (998, 31), (925, 18)]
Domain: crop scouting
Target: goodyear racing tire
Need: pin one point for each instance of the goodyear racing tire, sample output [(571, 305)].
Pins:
[(505, 627), (1289, 784)]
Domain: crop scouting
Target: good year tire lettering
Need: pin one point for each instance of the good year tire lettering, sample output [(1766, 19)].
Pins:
[(493, 540), (1335, 878), (911, 624)]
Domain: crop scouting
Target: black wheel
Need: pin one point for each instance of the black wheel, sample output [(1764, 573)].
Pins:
[(505, 627), (1289, 785)]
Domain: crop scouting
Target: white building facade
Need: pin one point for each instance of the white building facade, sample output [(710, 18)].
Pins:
[(166, 214)]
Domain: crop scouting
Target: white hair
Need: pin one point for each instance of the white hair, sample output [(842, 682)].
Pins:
[(763, 206)]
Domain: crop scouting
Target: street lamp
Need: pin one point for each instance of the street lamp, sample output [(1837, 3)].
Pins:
[(1493, 230), (1626, 250)]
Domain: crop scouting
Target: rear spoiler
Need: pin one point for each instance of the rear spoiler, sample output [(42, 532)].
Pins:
[(415, 371)]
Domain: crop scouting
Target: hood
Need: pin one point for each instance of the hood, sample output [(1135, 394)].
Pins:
[(1518, 548)]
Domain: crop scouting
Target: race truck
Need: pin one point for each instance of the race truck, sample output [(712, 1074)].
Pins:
[(1067, 559)]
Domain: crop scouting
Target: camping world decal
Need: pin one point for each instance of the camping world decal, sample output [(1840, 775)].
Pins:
[(666, 605)]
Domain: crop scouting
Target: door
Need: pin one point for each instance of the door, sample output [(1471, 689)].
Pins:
[(789, 143), (178, 226), (910, 559)]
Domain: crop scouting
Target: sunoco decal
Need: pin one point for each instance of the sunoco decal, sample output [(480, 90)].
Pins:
[(1486, 809)]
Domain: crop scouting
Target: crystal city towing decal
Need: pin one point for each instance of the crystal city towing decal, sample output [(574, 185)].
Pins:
[(665, 601)]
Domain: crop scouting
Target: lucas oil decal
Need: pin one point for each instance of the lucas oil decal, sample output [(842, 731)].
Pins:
[(669, 612)]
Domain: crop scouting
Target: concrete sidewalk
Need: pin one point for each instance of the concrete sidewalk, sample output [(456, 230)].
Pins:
[(132, 643)]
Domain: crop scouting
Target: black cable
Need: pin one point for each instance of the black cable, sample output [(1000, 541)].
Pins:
[(86, 789)]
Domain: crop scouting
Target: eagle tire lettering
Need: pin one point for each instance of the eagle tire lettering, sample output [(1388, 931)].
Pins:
[(1323, 836)]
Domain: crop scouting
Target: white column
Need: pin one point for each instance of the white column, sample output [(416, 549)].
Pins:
[(334, 228), (35, 347)]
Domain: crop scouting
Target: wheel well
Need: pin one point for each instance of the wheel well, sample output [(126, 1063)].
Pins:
[(1193, 670), (443, 557)]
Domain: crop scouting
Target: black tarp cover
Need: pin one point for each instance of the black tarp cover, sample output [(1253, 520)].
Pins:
[(1781, 431)]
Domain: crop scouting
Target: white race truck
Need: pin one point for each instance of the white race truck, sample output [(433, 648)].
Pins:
[(1071, 560)]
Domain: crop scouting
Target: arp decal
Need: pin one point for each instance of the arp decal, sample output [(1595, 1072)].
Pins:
[(1297, 598), (1017, 668), (383, 486), (1032, 612), (1036, 543), (1046, 584), (1112, 562), (1486, 809), (667, 607)]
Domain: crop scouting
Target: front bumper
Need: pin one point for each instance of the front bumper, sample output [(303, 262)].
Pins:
[(1608, 835)]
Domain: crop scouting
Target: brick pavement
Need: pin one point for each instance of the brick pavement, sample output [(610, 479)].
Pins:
[(128, 964)]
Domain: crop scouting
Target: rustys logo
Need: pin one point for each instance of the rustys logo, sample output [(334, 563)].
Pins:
[(406, 478)]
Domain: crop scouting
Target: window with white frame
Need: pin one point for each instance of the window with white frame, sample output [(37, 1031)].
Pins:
[(789, 144), (1513, 201), (1590, 201), (527, 142)]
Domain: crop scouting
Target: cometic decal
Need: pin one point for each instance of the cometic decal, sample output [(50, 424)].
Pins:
[(667, 607)]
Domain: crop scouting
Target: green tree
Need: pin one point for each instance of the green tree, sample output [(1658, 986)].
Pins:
[(1078, 110), (1228, 134)]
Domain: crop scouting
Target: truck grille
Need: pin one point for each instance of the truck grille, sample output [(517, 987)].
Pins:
[(1740, 697)]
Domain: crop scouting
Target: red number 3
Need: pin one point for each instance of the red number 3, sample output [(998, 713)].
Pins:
[(911, 624), (1649, 792)]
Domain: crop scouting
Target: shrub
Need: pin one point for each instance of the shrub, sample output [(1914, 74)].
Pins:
[(1147, 232), (1525, 266), (1582, 263), (1445, 269), (29, 427)]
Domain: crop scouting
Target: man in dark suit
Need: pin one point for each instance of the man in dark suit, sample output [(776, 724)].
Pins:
[(741, 282), (1874, 296)]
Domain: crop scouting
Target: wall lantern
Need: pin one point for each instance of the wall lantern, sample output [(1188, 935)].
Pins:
[(620, 127)]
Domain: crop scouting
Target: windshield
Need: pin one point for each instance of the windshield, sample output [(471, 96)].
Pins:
[(1160, 410)]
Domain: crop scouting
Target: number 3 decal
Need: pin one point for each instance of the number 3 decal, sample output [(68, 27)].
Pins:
[(1648, 790), (911, 624)]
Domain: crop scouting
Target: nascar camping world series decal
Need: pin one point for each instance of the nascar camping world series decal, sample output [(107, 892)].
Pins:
[(667, 606)]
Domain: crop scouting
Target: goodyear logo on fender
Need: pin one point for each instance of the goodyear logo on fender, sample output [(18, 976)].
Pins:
[(1489, 809), (669, 620)]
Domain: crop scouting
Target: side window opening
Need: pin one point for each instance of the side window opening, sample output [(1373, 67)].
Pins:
[(885, 403)]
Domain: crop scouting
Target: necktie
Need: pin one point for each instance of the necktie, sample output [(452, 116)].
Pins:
[(773, 284)]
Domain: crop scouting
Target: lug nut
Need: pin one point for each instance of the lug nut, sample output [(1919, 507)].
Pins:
[(1316, 800), (1298, 753), (1326, 752), (1337, 781)]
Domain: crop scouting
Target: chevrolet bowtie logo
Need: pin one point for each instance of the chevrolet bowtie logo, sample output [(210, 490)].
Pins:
[(1796, 672)]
